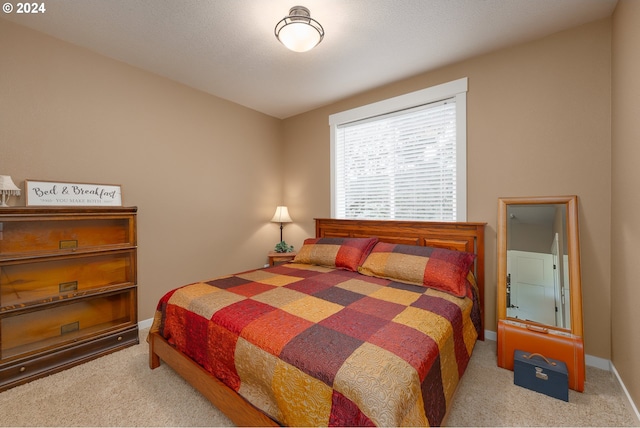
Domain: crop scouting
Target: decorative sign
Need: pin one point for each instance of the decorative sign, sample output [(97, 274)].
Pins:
[(51, 193)]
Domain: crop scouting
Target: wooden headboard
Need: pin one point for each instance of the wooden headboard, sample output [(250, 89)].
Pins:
[(458, 236)]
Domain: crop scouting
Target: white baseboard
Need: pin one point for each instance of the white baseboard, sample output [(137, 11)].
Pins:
[(490, 335), (597, 362), (145, 323), (626, 392)]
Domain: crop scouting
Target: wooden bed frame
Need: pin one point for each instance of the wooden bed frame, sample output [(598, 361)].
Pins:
[(459, 236)]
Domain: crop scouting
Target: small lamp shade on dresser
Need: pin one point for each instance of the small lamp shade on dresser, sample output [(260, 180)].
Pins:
[(7, 188)]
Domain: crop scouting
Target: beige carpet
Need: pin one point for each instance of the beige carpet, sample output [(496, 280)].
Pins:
[(120, 390)]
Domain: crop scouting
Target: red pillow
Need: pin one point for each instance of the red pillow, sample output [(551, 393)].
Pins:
[(344, 253), (438, 268)]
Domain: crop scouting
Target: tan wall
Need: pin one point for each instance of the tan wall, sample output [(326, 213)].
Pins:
[(625, 290), (206, 184), (538, 124)]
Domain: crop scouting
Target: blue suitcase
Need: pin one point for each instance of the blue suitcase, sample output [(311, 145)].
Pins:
[(541, 374)]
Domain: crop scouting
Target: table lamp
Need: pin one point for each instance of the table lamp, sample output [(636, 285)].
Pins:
[(282, 216)]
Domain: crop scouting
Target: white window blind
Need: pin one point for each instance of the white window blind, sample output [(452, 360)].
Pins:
[(398, 166), (404, 164)]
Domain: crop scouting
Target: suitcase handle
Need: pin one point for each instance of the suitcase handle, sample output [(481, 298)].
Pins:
[(537, 329), (552, 363)]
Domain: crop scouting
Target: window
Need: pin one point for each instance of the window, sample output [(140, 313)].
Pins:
[(402, 158)]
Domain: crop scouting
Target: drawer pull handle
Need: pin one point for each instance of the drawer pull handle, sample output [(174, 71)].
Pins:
[(69, 244), (119, 338), (69, 328), (65, 287), (23, 369)]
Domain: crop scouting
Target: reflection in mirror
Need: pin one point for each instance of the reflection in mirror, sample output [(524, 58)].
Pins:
[(537, 264)]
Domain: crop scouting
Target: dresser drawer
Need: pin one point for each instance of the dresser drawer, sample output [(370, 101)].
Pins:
[(28, 237), (23, 283), (20, 371), (50, 326)]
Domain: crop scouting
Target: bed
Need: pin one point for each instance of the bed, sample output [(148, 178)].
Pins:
[(340, 336)]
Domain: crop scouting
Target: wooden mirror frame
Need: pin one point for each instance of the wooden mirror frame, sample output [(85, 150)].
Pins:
[(555, 342), (573, 245)]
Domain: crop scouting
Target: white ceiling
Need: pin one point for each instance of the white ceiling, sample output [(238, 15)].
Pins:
[(227, 47)]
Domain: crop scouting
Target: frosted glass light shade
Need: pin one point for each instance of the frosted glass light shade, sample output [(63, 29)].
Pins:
[(298, 31), (299, 37)]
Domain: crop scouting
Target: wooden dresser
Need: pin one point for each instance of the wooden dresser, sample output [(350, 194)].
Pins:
[(67, 288)]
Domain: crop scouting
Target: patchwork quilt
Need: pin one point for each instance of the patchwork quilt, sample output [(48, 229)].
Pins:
[(318, 346)]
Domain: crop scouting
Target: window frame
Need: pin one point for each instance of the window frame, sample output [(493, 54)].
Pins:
[(455, 89)]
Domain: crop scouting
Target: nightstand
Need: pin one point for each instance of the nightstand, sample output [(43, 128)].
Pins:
[(277, 258)]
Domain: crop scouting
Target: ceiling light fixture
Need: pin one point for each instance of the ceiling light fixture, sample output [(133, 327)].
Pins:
[(298, 31)]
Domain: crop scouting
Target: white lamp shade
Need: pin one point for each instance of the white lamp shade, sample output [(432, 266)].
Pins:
[(7, 188), (6, 183), (281, 215), (299, 36)]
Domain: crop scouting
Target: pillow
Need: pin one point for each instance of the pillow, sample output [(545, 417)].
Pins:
[(438, 268), (344, 253)]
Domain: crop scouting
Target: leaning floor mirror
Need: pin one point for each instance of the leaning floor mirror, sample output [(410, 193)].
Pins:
[(539, 288)]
